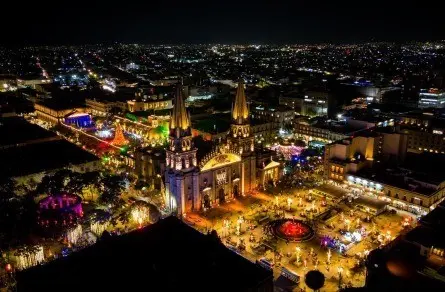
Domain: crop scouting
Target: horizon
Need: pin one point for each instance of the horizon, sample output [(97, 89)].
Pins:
[(176, 22)]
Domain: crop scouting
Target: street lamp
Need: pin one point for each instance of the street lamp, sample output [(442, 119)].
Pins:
[(340, 271), (298, 251)]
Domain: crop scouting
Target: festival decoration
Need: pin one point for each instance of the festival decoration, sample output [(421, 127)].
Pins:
[(119, 139), (140, 215), (30, 257), (98, 227), (74, 234)]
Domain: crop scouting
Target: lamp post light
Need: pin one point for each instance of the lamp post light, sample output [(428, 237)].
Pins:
[(348, 224), (298, 253), (289, 202), (340, 271)]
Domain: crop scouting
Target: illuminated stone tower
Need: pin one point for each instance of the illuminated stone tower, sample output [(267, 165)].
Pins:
[(181, 177), (241, 140)]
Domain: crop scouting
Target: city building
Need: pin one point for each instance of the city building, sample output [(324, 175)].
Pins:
[(55, 113), (414, 261), (149, 164), (328, 130), (367, 121), (431, 98), (132, 66), (378, 165), (311, 103), (168, 255), (321, 130), (425, 132), (28, 152), (350, 155), (282, 116), (33, 82), (170, 81), (102, 107), (217, 128), (369, 91), (149, 104), (231, 169)]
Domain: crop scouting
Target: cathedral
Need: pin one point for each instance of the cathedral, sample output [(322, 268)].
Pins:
[(231, 169)]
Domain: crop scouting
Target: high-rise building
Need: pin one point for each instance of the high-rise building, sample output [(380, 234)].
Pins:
[(432, 98)]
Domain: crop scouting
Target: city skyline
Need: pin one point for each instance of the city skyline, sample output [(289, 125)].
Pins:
[(297, 144)]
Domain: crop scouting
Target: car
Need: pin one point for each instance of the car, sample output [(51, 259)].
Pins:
[(265, 264), (290, 275)]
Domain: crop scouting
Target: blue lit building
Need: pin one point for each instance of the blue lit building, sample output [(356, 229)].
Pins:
[(81, 120)]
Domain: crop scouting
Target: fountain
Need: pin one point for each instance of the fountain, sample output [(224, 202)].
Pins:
[(291, 230)]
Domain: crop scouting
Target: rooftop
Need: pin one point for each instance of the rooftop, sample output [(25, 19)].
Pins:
[(400, 178), (334, 126), (435, 218), (16, 130), (428, 167), (166, 256), (58, 104), (38, 157), (216, 123), (426, 236)]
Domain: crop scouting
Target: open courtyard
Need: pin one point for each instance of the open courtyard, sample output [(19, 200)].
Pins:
[(302, 230)]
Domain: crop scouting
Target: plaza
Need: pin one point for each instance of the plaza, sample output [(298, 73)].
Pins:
[(344, 232)]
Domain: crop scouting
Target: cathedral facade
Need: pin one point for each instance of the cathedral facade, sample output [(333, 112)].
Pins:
[(230, 170)]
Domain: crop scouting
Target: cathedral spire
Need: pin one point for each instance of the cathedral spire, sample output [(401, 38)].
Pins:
[(180, 119), (240, 113)]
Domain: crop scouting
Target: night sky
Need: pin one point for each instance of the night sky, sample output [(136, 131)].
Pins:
[(215, 21)]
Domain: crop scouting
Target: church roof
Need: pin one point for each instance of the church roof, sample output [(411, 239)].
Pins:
[(180, 118), (272, 164), (240, 111)]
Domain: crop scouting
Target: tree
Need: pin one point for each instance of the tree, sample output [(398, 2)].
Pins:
[(7, 187), (91, 184), (112, 187), (311, 112), (54, 183), (17, 214), (75, 183), (140, 184), (314, 280), (68, 181)]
